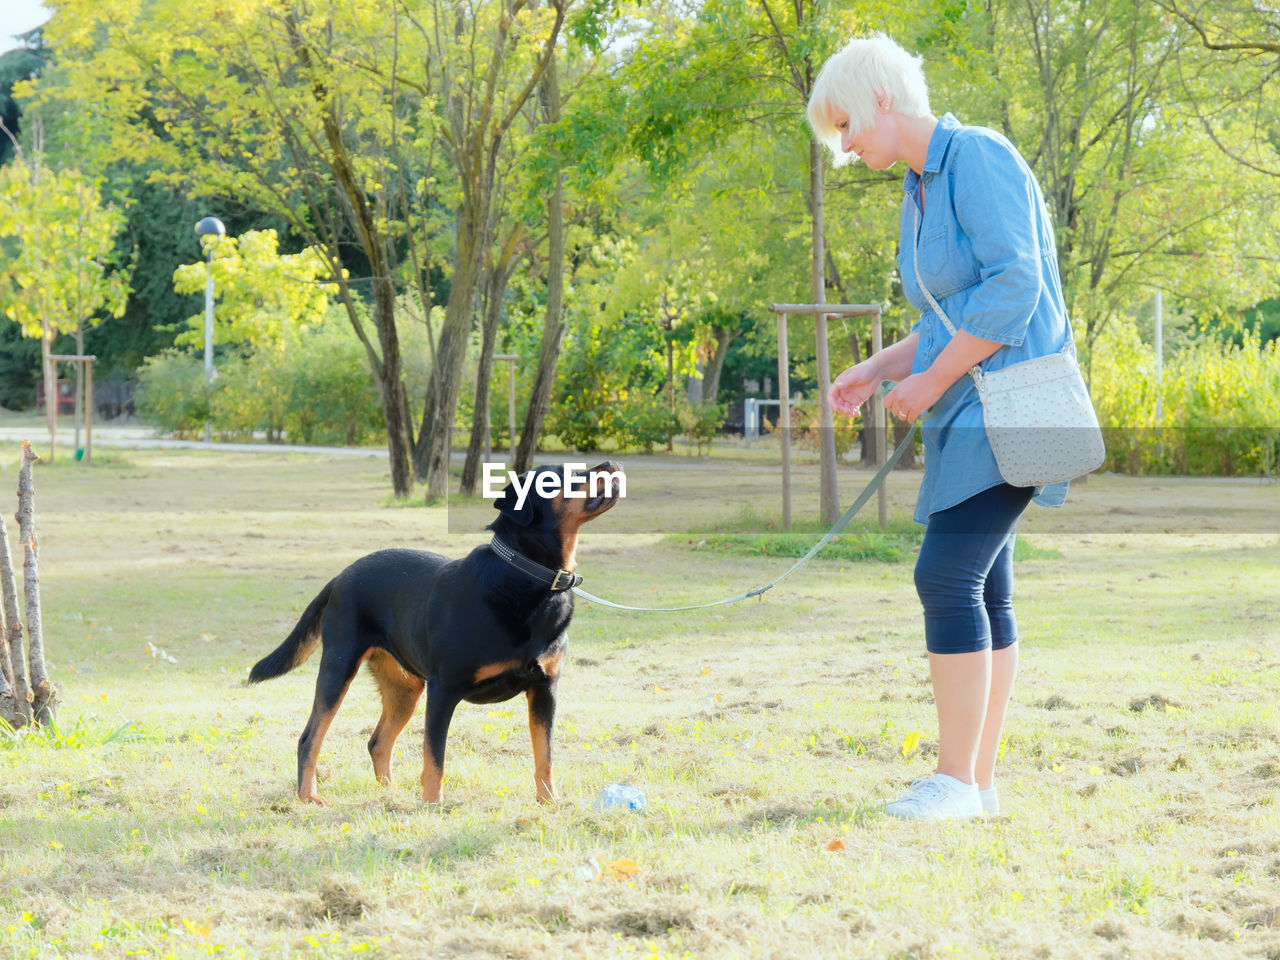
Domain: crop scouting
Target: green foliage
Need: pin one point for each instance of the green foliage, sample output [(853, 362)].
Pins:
[(159, 229), (57, 249), (1220, 405), (329, 395), (316, 390), (17, 65), (641, 420), (173, 395), (701, 422), (265, 297), (19, 365)]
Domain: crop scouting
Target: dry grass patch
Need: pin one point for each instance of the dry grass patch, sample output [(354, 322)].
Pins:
[(1139, 773)]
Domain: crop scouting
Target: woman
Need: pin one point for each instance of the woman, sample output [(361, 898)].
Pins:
[(973, 215)]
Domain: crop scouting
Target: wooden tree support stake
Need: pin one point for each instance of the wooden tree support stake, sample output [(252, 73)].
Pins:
[(44, 695)]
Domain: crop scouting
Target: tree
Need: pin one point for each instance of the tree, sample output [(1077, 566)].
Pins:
[(57, 250), (480, 105), (1089, 92), (1228, 62), (370, 129)]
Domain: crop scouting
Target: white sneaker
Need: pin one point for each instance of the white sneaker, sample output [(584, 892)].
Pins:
[(939, 797), (990, 802)]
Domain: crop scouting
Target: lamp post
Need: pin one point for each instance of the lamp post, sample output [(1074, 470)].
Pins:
[(210, 230)]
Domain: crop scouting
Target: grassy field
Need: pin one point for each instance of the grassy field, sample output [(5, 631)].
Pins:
[(1140, 769)]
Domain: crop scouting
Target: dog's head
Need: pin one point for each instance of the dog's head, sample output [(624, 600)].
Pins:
[(542, 510)]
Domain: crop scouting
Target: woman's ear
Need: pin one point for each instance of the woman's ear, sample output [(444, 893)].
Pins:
[(883, 102)]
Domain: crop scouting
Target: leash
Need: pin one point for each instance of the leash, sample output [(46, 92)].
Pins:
[(839, 525)]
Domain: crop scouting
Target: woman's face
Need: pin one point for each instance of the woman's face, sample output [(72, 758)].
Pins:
[(876, 146)]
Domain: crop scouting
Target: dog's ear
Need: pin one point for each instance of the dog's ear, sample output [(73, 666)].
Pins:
[(506, 505)]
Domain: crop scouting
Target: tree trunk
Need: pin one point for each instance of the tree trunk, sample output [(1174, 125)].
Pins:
[(44, 694), (391, 387), (830, 498), (711, 376), (354, 201), (15, 704), (435, 438), (496, 277), (553, 327), (900, 430)]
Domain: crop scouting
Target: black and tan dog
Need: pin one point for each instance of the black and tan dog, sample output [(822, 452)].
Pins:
[(481, 629)]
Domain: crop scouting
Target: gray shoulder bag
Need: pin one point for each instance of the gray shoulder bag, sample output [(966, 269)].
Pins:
[(1039, 419)]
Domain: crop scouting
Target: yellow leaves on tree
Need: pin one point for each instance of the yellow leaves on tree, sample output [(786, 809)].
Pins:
[(266, 298), (57, 251)]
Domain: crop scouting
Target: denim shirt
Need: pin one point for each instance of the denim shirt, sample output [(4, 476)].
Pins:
[(987, 255)]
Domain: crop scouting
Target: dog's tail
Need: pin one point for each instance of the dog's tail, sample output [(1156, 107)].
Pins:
[(297, 646)]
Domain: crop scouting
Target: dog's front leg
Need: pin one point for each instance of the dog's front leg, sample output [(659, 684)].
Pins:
[(440, 706), (542, 716)]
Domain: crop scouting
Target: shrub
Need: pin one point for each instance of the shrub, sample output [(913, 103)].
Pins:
[(701, 422), (173, 395), (1220, 405), (246, 401), (313, 389), (327, 392), (641, 420)]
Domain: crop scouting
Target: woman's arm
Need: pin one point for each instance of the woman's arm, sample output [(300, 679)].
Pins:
[(851, 389), (917, 393)]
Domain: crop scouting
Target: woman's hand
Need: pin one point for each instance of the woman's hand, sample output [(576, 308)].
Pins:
[(914, 395), (851, 389)]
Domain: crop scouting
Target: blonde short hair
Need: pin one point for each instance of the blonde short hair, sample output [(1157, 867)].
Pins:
[(864, 72)]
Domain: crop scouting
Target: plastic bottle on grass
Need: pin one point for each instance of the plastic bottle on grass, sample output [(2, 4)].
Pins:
[(618, 795)]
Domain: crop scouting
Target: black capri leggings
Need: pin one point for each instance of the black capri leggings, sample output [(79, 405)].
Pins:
[(964, 574)]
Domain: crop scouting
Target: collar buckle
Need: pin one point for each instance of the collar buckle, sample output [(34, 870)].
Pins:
[(555, 581)]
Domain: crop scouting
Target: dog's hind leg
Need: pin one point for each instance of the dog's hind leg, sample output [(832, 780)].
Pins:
[(336, 671), (440, 707), (400, 692)]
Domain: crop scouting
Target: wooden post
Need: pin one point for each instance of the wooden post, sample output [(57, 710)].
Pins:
[(88, 410), (830, 504), (50, 389), (830, 495), (878, 424), (784, 419)]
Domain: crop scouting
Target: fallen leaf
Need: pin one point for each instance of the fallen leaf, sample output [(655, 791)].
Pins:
[(910, 742), (623, 869)]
